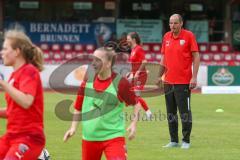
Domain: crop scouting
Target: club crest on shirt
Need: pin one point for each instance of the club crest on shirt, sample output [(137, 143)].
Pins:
[(182, 42), (11, 82), (167, 43)]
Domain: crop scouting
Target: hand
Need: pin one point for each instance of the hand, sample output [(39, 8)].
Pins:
[(69, 134), (132, 130), (160, 82), (193, 83)]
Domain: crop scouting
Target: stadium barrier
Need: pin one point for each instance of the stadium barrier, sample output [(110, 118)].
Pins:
[(211, 79), (70, 79)]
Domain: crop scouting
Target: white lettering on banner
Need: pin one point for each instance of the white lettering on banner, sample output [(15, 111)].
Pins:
[(59, 28), (59, 38)]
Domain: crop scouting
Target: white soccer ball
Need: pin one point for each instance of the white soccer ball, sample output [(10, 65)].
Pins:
[(44, 155)]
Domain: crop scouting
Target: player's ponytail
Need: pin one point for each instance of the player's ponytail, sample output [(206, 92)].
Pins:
[(31, 53), (37, 59), (135, 35)]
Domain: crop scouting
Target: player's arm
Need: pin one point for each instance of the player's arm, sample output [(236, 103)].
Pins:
[(3, 113), (77, 113), (162, 68), (141, 68), (126, 95), (196, 63), (72, 130), (161, 71), (21, 98)]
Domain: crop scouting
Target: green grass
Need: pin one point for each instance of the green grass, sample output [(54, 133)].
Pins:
[(215, 136)]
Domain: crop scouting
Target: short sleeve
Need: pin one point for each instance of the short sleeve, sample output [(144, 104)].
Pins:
[(29, 81), (194, 45)]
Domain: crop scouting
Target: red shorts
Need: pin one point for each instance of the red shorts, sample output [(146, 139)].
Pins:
[(20, 147), (114, 149)]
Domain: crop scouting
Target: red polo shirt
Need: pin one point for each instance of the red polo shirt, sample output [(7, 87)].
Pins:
[(178, 56), (26, 121)]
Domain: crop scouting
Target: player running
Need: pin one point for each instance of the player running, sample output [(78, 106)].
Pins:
[(24, 138)]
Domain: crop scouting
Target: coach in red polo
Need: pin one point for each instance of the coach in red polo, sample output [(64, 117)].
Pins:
[(180, 63)]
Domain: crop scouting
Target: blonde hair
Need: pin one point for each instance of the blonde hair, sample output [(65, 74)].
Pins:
[(31, 53), (110, 54)]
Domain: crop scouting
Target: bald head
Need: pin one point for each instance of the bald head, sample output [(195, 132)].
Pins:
[(175, 24), (177, 16)]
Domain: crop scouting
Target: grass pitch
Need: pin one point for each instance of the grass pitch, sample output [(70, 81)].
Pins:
[(215, 136)]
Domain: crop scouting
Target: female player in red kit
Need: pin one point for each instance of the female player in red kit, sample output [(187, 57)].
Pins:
[(24, 138), (138, 74)]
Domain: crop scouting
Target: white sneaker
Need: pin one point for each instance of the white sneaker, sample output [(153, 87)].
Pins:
[(185, 145), (171, 145), (148, 114)]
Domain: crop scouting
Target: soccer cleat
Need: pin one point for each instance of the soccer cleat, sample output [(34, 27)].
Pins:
[(149, 114), (185, 145), (171, 145), (44, 155)]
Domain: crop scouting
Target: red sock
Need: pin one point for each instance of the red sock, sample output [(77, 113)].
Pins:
[(143, 103)]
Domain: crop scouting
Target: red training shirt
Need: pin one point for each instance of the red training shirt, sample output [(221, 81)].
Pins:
[(136, 57), (178, 56), (19, 120), (125, 94)]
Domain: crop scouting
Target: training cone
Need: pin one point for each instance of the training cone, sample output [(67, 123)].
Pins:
[(219, 110)]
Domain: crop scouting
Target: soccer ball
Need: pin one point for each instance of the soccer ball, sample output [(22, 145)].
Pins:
[(44, 155)]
